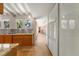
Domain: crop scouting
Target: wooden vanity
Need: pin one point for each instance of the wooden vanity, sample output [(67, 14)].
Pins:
[(22, 39), (5, 38), (1, 8)]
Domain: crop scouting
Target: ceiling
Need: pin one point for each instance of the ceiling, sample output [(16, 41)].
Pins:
[(69, 10), (37, 10), (40, 9), (15, 9)]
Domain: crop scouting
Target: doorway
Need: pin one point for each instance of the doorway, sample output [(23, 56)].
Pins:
[(42, 31)]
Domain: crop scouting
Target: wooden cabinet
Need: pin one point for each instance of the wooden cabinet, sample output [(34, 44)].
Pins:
[(5, 38), (23, 40), (27, 40), (1, 8), (17, 39), (1, 39)]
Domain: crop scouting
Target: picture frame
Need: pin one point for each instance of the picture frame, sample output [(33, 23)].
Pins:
[(6, 24)]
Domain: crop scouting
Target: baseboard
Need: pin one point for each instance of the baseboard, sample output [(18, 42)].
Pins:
[(49, 51)]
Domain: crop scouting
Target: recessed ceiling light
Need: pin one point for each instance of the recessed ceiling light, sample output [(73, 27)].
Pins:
[(29, 16), (63, 16)]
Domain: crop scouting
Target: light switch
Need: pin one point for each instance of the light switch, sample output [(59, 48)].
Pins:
[(64, 24), (71, 24)]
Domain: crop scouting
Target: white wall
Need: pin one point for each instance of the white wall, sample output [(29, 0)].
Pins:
[(10, 18), (1, 22), (53, 31), (68, 34), (42, 21), (13, 24), (69, 37)]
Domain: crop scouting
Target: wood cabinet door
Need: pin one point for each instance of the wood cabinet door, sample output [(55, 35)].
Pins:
[(1, 39), (17, 39), (23, 40), (1, 8), (7, 39), (27, 40)]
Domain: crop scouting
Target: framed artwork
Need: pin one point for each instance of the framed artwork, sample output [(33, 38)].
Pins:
[(19, 23), (6, 24), (28, 24)]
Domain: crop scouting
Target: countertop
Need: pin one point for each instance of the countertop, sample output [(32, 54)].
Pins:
[(19, 34), (4, 51)]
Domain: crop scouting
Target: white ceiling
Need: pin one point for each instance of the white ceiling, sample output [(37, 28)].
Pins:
[(15, 9), (36, 9), (40, 9), (69, 10)]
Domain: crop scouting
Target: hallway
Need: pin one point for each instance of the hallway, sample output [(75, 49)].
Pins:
[(40, 48), (26, 24)]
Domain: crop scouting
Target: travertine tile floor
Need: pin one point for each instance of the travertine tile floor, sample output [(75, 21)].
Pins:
[(40, 48)]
